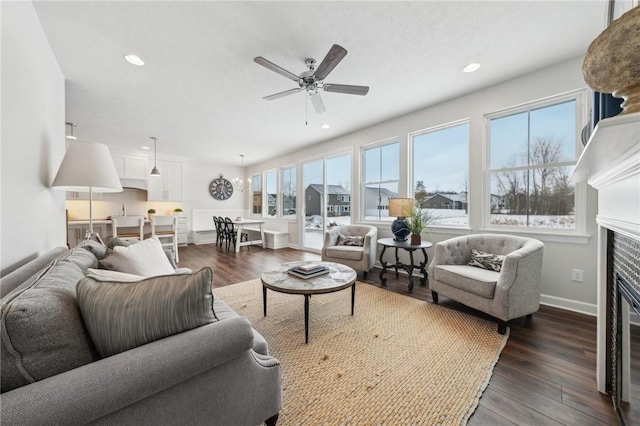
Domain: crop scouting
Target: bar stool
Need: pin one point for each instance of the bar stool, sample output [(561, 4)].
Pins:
[(130, 234), (168, 234)]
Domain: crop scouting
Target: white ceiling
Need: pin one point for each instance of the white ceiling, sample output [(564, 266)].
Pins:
[(200, 93)]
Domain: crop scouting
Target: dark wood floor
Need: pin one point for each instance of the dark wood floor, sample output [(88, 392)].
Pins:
[(545, 374)]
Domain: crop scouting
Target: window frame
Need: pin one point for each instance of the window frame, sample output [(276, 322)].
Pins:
[(363, 183), (581, 113), (281, 190), (411, 167), (254, 177)]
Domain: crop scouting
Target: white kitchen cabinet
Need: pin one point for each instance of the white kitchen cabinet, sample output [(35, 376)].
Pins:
[(131, 166), (74, 195), (183, 230), (167, 186), (77, 231)]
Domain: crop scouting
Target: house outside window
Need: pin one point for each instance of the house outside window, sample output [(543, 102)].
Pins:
[(288, 192), (532, 152), (271, 186), (440, 164), (381, 177), (256, 194)]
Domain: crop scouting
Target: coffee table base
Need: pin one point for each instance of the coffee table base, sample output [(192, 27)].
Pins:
[(306, 307)]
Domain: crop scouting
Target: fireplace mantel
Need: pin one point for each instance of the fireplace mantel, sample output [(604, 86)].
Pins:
[(610, 163)]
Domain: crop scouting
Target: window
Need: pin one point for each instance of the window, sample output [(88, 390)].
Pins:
[(256, 194), (440, 164), (288, 191), (532, 153), (271, 186), (381, 169)]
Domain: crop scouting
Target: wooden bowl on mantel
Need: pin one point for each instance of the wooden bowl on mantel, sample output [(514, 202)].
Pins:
[(612, 64)]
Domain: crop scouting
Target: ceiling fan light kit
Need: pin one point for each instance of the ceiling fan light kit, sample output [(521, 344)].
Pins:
[(312, 80)]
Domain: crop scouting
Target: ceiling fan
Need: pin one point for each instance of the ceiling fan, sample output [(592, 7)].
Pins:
[(312, 80)]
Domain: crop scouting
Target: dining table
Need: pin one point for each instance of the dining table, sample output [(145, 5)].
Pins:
[(249, 225)]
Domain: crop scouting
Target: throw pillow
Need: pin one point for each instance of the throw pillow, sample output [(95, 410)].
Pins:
[(348, 240), (42, 331), (146, 258), (107, 275), (484, 260), (123, 315), (113, 242), (98, 250)]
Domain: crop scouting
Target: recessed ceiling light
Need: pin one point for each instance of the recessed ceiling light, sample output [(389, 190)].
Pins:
[(134, 60), (145, 147), (325, 126), (473, 66)]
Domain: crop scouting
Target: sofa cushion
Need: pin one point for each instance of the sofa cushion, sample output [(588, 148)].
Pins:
[(124, 315), (468, 278), (98, 250), (81, 257), (484, 260), (223, 312), (42, 332), (146, 258), (344, 252)]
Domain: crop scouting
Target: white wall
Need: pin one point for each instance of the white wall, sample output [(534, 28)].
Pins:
[(560, 257), (33, 145)]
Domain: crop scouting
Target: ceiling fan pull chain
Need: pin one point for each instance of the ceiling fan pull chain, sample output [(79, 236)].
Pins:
[(306, 109)]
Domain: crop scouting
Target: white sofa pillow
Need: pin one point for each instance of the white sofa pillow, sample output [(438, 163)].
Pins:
[(146, 258), (107, 275)]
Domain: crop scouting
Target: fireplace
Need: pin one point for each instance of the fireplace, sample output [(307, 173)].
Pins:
[(611, 164), (623, 329)]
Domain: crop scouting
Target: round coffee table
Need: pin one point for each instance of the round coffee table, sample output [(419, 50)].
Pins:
[(338, 278)]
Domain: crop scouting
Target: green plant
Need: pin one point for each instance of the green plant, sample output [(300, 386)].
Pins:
[(151, 211), (415, 221)]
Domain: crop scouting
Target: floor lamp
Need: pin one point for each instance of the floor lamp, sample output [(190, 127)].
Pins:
[(88, 167)]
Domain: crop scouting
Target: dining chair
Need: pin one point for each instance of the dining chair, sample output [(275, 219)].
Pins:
[(167, 232), (231, 233), (128, 228), (220, 230)]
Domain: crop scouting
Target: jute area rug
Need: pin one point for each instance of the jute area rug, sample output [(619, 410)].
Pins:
[(398, 360)]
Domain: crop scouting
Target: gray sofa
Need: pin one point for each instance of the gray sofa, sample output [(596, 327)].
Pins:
[(511, 293), (217, 374)]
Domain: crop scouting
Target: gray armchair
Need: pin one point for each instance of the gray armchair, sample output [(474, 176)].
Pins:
[(511, 293), (358, 257)]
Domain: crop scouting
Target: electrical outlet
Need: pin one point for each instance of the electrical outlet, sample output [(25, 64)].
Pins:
[(577, 275)]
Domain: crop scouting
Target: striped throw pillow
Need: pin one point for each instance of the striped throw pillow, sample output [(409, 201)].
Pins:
[(121, 315)]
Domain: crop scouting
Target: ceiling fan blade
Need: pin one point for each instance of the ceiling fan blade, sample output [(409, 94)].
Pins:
[(347, 88), (282, 94), (275, 68), (333, 58), (318, 105)]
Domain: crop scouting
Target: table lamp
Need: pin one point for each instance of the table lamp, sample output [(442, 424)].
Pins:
[(88, 167), (400, 208)]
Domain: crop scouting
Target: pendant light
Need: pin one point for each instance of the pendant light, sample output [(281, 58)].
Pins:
[(155, 171), (238, 182)]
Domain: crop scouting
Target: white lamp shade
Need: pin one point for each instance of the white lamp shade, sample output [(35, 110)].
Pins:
[(87, 166)]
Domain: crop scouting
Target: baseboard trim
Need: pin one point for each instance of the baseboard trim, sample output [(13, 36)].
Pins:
[(590, 309)]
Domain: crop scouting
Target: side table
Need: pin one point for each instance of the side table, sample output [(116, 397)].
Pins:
[(409, 267)]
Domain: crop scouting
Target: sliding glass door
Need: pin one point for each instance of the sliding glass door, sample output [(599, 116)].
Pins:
[(327, 197)]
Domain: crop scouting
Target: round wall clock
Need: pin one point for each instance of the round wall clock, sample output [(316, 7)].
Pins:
[(220, 188)]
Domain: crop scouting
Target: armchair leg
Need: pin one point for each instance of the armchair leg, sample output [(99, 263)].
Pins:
[(364, 275), (271, 421), (502, 327), (434, 296), (529, 316)]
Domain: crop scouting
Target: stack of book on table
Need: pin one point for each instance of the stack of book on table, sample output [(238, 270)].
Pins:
[(308, 270)]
